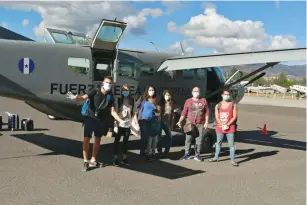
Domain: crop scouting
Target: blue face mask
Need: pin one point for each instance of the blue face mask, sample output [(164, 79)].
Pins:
[(125, 93)]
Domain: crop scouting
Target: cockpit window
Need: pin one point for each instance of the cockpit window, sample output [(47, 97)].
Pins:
[(61, 38), (220, 74), (109, 33)]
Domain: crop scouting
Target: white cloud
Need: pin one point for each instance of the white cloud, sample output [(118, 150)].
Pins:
[(5, 25), (212, 30), (86, 16), (176, 47), (172, 5), (25, 22)]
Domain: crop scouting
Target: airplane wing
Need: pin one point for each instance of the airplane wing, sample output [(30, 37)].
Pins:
[(269, 57), (229, 59)]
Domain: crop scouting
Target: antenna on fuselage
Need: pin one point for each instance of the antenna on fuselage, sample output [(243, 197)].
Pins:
[(182, 50)]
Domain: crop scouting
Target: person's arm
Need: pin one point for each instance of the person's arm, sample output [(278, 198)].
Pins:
[(115, 115), (217, 119), (235, 113), (80, 98), (206, 114)]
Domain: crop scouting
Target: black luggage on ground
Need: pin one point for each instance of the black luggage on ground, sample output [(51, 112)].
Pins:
[(27, 125), (1, 122)]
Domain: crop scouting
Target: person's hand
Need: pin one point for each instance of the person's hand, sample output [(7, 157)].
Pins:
[(225, 127), (206, 125), (179, 124), (115, 129), (124, 123), (71, 96)]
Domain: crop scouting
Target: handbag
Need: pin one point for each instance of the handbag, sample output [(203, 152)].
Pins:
[(190, 128)]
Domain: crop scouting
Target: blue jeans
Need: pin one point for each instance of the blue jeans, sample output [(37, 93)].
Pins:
[(219, 140), (166, 140), (148, 138)]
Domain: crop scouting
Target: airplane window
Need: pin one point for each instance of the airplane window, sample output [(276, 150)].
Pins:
[(80, 40), (62, 38), (169, 74), (109, 33), (79, 65), (127, 68), (201, 73), (102, 68), (188, 74), (147, 70), (220, 74)]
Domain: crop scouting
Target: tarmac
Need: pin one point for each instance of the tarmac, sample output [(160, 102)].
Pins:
[(44, 166)]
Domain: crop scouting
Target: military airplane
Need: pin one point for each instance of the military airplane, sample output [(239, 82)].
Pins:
[(40, 74)]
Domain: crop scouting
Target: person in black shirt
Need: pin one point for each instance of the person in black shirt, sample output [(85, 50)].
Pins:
[(100, 115)]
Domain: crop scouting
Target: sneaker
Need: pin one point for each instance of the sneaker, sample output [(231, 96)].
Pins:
[(197, 158), (234, 163), (213, 160), (85, 166), (96, 164), (186, 157), (116, 162), (125, 162), (149, 158)]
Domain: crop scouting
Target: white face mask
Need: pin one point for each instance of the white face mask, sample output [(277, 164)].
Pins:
[(151, 93), (166, 97), (195, 94), (107, 86)]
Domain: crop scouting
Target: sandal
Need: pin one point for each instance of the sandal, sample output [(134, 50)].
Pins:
[(234, 163)]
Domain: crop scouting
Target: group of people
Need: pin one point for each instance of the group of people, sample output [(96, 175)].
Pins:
[(150, 116)]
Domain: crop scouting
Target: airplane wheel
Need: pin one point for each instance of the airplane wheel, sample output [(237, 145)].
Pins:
[(50, 117)]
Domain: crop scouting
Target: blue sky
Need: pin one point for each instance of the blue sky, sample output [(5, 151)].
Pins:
[(287, 19)]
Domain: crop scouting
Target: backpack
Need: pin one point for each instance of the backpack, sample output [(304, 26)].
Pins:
[(84, 109)]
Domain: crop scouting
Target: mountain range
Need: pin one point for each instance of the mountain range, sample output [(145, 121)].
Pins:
[(298, 71)]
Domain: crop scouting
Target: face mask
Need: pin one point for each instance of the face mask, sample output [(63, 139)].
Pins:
[(226, 97), (151, 93), (157, 114), (195, 94), (167, 98), (125, 93), (107, 86)]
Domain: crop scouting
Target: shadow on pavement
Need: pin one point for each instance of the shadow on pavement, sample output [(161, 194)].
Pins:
[(73, 148)]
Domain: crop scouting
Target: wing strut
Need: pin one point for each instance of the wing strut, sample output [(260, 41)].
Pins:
[(243, 78)]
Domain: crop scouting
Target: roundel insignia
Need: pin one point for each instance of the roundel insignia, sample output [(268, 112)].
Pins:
[(26, 65)]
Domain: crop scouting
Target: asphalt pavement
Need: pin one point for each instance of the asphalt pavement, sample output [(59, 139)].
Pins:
[(44, 166)]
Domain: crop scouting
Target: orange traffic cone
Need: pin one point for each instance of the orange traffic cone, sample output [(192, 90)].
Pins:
[(264, 130)]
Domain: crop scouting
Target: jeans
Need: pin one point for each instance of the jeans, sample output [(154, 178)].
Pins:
[(125, 132), (148, 138), (219, 140), (198, 140), (167, 139)]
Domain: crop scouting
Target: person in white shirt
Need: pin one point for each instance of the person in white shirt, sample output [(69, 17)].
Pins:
[(124, 108)]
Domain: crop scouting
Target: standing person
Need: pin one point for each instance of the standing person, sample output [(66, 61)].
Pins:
[(167, 104), (125, 104), (99, 116), (146, 106), (197, 112), (225, 115)]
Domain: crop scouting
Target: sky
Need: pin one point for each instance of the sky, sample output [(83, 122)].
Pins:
[(201, 27)]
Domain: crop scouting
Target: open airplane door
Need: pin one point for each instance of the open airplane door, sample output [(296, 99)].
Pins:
[(104, 48)]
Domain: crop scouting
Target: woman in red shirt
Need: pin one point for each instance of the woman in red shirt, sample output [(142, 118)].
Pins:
[(225, 116)]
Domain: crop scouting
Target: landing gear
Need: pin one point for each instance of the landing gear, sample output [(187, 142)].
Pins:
[(209, 139)]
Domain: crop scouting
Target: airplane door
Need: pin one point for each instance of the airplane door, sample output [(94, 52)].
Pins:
[(104, 49)]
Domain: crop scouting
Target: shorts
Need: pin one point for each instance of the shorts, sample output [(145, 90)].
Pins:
[(91, 126)]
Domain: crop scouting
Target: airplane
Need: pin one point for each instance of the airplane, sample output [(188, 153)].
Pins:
[(301, 90), (41, 74)]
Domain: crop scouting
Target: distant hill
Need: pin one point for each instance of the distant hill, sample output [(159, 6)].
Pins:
[(294, 70)]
